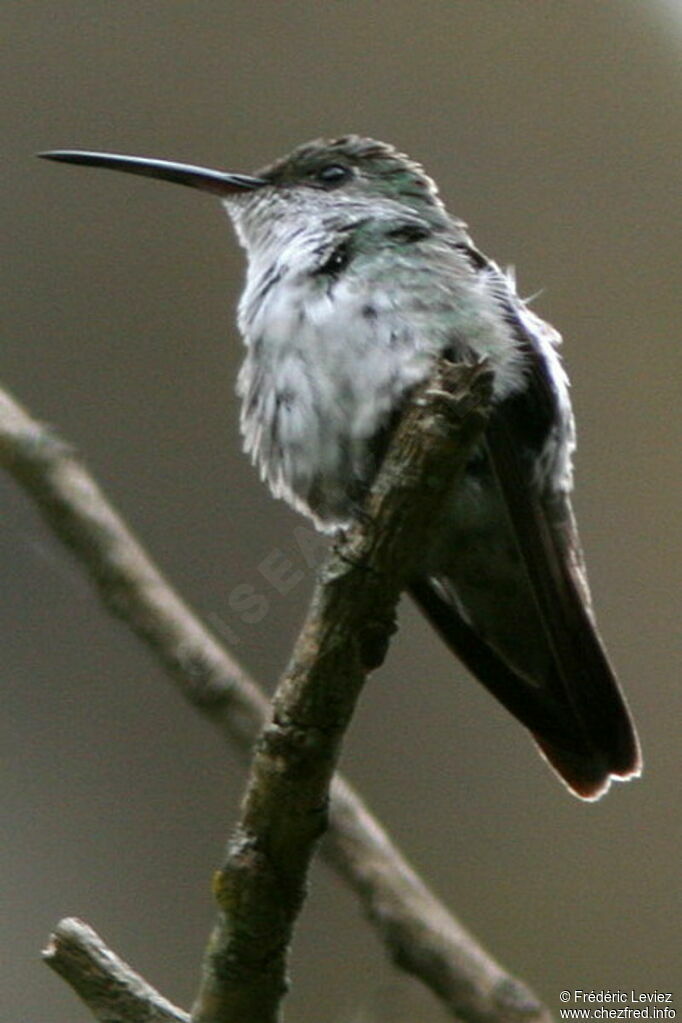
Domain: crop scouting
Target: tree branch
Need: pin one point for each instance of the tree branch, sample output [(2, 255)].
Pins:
[(261, 886), (111, 990), (129, 583), (421, 936)]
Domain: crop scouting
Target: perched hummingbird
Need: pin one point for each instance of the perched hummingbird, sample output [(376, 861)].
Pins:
[(357, 279)]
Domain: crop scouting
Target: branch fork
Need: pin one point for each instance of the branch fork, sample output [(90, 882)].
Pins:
[(292, 797)]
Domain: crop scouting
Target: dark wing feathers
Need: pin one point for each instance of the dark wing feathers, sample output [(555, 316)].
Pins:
[(484, 662), (577, 715), (551, 722), (552, 558)]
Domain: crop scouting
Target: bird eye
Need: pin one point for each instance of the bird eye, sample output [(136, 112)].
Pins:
[(333, 174)]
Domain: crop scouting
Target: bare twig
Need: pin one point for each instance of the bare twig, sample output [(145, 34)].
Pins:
[(111, 990), (421, 936), (261, 886), (129, 583)]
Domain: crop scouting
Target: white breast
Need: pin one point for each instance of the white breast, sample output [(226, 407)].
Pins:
[(329, 359)]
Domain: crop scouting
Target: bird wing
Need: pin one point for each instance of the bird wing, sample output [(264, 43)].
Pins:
[(577, 714)]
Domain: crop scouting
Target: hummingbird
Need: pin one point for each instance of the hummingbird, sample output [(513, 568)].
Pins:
[(357, 280)]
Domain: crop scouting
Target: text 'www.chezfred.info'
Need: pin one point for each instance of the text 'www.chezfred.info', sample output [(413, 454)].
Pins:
[(616, 1003)]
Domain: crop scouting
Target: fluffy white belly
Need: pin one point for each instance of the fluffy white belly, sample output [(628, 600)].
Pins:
[(330, 360)]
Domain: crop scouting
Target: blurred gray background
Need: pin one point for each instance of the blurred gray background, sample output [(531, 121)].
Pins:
[(553, 129)]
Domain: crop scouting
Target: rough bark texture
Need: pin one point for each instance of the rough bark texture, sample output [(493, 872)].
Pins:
[(112, 991), (261, 886), (419, 933)]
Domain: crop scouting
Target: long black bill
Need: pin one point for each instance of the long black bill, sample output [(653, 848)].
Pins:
[(217, 182)]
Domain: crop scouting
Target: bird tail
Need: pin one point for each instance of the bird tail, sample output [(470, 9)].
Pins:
[(586, 756)]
